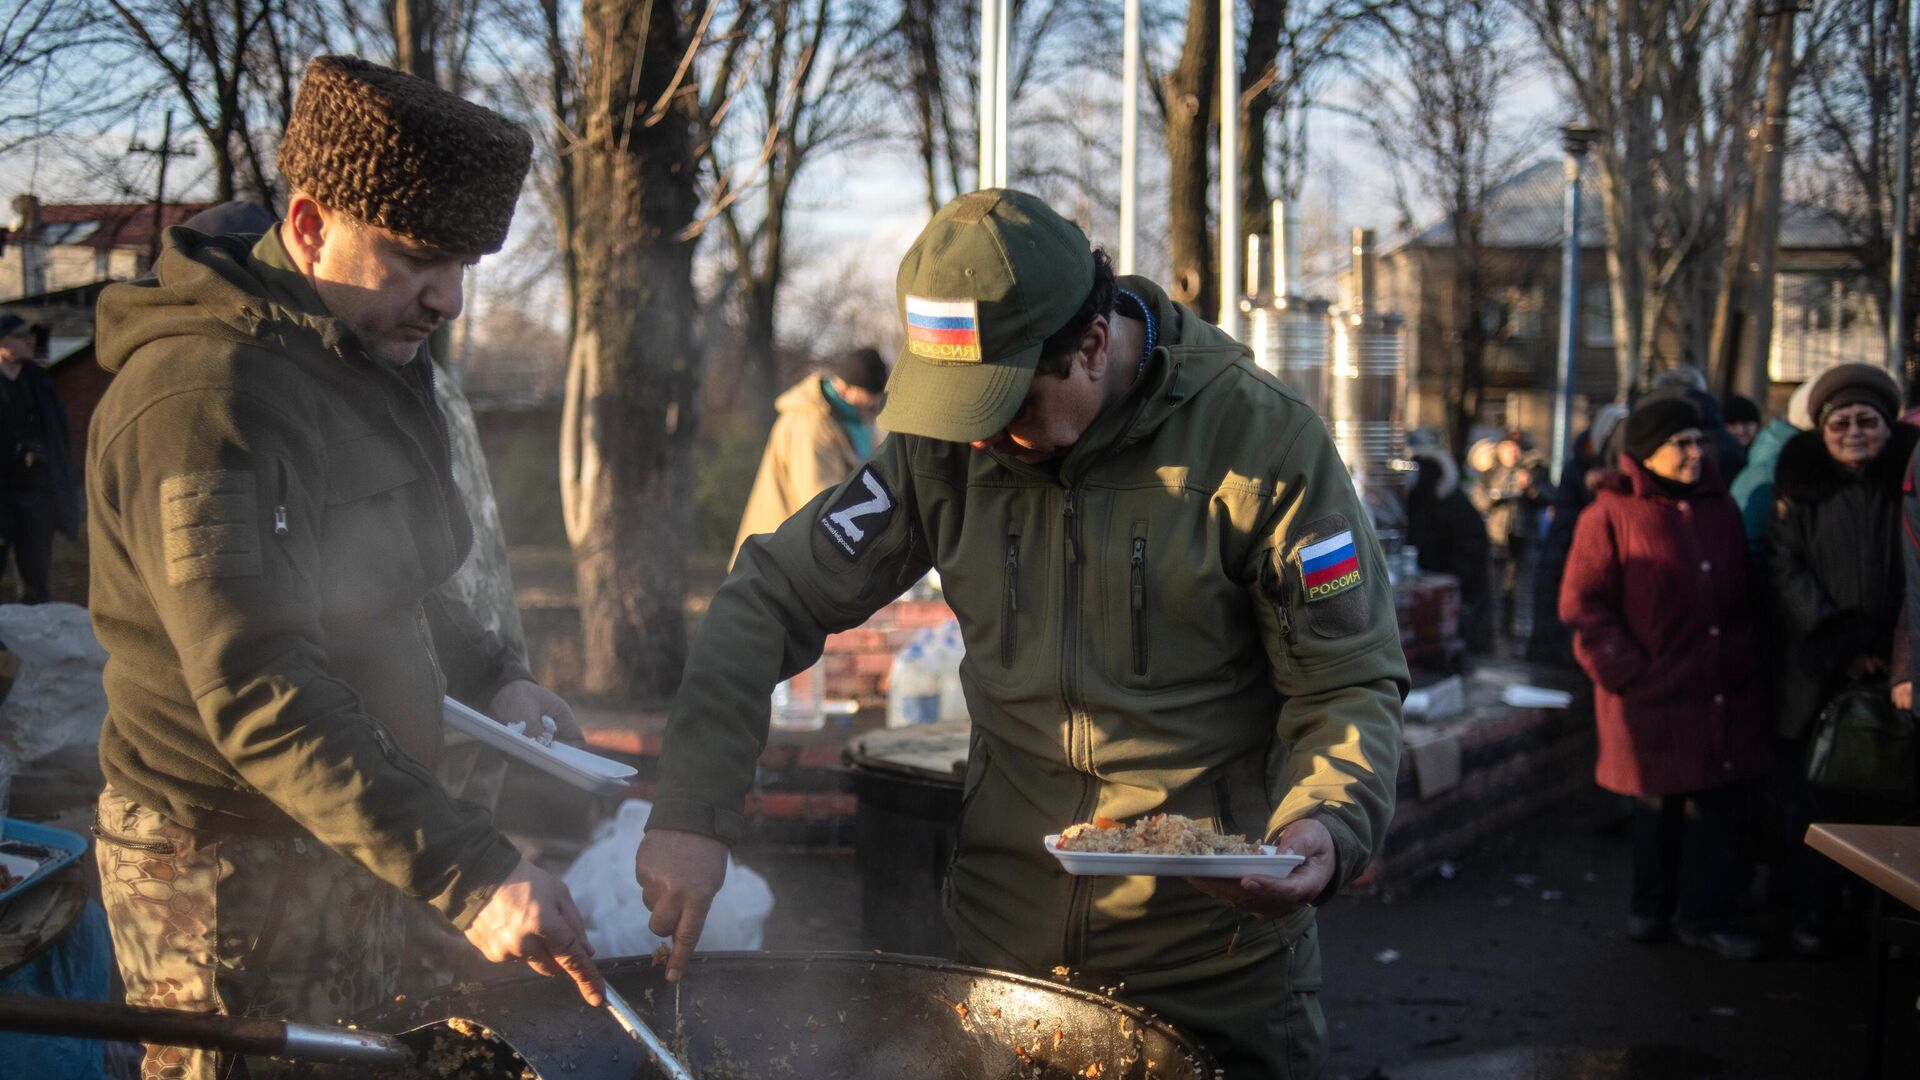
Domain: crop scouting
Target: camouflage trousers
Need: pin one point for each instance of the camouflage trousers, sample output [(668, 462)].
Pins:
[(241, 925)]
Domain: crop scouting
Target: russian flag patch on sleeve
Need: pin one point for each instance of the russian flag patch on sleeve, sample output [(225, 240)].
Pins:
[(944, 330), (1329, 567)]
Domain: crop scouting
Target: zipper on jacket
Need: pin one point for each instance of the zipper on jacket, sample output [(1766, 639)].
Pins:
[(1070, 607), (1010, 600), (1283, 601), (1137, 599), (280, 503), (159, 846), (1079, 753)]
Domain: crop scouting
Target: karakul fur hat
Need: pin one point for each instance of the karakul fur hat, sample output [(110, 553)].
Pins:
[(401, 153)]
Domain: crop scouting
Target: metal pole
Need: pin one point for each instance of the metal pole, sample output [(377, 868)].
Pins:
[(1575, 140), (1129, 131), (1903, 194), (160, 190), (1229, 284), (989, 53), (1003, 23)]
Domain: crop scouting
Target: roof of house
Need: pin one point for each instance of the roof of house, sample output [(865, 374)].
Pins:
[(1528, 210), (105, 226)]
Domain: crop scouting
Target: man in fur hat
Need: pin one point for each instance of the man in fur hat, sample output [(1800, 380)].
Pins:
[(271, 509)]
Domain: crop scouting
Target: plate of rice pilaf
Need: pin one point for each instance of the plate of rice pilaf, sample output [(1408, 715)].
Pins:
[(1164, 845)]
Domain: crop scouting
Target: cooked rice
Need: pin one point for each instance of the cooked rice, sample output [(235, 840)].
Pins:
[(1158, 834)]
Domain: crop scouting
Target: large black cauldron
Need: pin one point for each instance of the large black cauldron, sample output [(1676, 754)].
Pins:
[(746, 1016)]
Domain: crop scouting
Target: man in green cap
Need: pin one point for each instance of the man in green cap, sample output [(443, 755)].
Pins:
[(271, 508), (1172, 602)]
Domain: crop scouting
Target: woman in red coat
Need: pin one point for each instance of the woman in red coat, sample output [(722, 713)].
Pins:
[(1656, 594)]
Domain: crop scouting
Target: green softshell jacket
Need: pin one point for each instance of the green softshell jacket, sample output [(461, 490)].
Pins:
[(1139, 638), (269, 512)]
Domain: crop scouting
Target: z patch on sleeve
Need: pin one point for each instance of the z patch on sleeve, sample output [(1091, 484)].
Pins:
[(208, 523), (860, 515)]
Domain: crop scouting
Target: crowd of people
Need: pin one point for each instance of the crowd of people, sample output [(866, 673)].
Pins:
[(1734, 585)]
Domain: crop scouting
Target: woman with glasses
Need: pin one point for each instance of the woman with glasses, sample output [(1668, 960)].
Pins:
[(1834, 559), (1656, 593)]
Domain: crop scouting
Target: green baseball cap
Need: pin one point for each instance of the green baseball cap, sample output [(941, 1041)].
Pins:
[(989, 279)]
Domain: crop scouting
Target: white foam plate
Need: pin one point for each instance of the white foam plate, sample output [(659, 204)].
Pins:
[(588, 772), (1271, 862)]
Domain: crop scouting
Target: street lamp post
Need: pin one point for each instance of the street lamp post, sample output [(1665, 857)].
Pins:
[(1229, 284), (1903, 193), (1575, 140), (1129, 130)]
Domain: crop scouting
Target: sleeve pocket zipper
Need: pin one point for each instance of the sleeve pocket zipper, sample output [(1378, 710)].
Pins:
[(1138, 595), (157, 846), (280, 507), (1010, 603)]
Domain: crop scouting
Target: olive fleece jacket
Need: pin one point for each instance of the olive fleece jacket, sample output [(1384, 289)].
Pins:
[(1187, 613), (270, 510)]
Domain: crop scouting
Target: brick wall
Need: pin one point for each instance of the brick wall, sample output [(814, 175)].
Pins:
[(858, 660)]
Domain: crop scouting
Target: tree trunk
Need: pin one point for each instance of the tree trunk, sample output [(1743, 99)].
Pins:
[(1761, 240), (1470, 300), (413, 38), (221, 144), (1625, 231), (627, 439), (917, 27), (1191, 91), (1263, 51), (760, 382)]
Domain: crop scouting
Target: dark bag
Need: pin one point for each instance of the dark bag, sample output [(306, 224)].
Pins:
[(1863, 746)]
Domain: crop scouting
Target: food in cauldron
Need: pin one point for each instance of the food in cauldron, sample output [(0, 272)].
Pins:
[(1157, 834), (461, 1049), (803, 1016)]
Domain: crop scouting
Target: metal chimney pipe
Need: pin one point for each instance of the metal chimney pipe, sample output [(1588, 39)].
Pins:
[(1364, 273), (1282, 236), (1286, 249)]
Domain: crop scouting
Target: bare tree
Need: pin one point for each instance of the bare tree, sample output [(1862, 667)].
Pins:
[(1669, 83), (1432, 103), (1849, 99), (38, 91), (936, 40), (1291, 46), (1288, 47), (1742, 326), (1188, 105), (807, 99), (201, 50), (629, 424)]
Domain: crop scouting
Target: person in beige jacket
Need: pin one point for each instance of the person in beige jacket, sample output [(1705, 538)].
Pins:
[(823, 432)]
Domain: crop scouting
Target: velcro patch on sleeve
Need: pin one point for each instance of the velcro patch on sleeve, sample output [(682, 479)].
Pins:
[(1330, 566), (860, 515), (1326, 558), (209, 524)]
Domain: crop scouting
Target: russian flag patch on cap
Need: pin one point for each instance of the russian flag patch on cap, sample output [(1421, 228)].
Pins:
[(1330, 567), (944, 330)]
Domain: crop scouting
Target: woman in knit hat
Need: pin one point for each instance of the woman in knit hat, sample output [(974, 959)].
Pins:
[(1834, 559), (1656, 596)]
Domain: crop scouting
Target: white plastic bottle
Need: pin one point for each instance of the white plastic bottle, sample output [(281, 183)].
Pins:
[(913, 686), (798, 702)]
